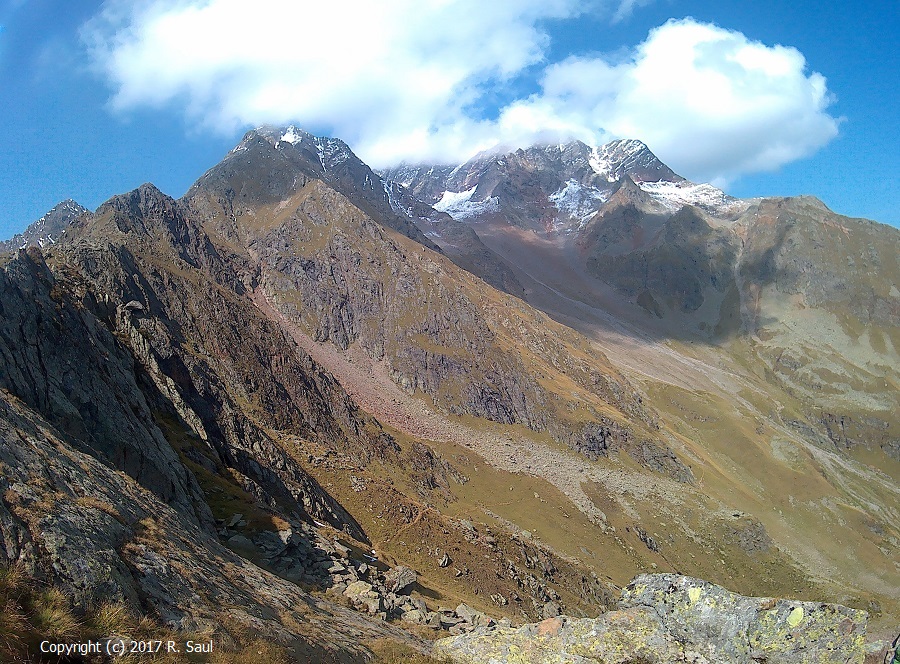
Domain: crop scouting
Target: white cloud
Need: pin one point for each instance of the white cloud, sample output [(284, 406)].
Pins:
[(708, 101), (402, 79), (627, 7), (377, 73)]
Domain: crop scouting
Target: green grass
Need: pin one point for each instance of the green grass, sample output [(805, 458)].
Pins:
[(222, 490)]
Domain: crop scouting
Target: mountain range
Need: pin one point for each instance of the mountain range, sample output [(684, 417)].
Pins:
[(307, 394)]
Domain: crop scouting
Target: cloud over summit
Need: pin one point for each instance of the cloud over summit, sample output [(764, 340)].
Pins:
[(417, 80)]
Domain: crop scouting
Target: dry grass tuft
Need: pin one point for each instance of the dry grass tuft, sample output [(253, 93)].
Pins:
[(392, 652), (53, 616), (110, 618), (254, 653)]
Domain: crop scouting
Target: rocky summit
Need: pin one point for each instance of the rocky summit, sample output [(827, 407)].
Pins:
[(46, 230), (518, 407)]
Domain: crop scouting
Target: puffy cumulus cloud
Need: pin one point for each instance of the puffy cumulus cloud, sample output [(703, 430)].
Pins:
[(413, 80), (709, 101), (395, 78)]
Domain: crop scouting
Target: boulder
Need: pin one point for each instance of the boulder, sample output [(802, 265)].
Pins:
[(240, 542), (373, 605), (416, 617), (620, 637), (727, 627), (473, 616), (670, 618), (450, 620), (357, 588), (467, 613), (550, 610), (399, 579)]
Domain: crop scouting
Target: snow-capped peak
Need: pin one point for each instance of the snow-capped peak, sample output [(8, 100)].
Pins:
[(329, 151), (46, 230)]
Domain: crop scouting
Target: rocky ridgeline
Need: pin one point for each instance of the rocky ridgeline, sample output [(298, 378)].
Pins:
[(670, 618)]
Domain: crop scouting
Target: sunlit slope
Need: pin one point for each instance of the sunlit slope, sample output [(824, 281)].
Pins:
[(346, 279)]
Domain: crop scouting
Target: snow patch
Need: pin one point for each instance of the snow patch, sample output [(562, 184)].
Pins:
[(320, 149), (460, 205), (674, 195), (452, 173), (291, 136), (331, 152), (575, 200), (619, 157), (392, 199)]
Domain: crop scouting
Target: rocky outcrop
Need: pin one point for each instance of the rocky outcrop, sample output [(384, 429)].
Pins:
[(61, 361), (130, 366), (670, 618), (97, 534), (230, 373), (621, 637)]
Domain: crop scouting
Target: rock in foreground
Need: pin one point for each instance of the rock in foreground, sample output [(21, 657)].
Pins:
[(671, 618)]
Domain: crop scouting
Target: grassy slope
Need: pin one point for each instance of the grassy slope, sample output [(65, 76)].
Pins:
[(737, 454)]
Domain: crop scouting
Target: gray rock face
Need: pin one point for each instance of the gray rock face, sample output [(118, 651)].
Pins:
[(672, 618), (522, 183), (96, 533), (207, 350), (63, 362)]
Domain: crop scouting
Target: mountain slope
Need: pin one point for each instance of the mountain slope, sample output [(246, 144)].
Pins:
[(46, 230), (103, 500), (298, 384), (282, 158), (173, 341), (345, 283), (776, 312), (348, 282)]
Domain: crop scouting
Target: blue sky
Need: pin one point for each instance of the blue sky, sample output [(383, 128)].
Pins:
[(762, 98)]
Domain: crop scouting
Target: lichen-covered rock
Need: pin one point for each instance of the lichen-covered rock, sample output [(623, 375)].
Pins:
[(618, 637), (727, 627), (358, 588), (672, 618)]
